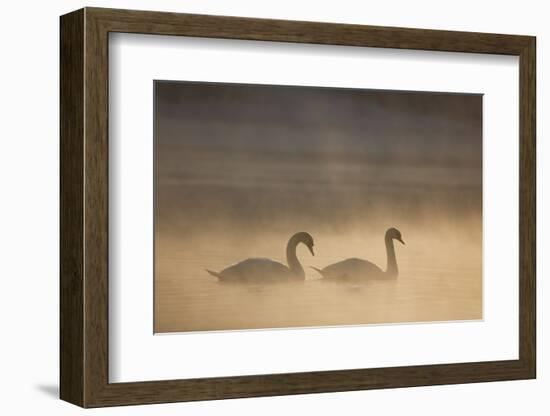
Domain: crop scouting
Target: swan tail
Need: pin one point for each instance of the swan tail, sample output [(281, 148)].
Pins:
[(215, 274), (317, 270)]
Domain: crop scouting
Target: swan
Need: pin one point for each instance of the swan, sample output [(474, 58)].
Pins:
[(262, 270), (358, 269)]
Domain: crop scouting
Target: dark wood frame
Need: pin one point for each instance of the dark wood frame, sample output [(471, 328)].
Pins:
[(84, 207)]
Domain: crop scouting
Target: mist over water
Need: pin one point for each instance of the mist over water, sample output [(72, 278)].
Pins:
[(242, 168)]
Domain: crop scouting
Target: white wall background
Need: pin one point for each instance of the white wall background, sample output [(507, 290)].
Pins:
[(29, 85)]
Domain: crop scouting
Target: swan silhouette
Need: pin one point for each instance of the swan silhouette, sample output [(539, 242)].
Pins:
[(354, 270), (262, 270)]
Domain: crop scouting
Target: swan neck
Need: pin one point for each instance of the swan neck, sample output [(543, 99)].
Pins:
[(391, 269), (292, 260)]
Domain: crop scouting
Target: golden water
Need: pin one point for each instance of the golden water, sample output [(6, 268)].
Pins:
[(439, 280)]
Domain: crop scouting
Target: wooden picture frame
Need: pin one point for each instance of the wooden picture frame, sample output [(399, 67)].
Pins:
[(84, 207)]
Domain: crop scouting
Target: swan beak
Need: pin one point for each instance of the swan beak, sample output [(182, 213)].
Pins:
[(401, 241), (311, 250)]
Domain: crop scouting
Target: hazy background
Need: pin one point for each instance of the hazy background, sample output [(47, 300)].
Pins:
[(240, 168)]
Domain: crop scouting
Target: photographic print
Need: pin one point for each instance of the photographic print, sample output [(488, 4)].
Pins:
[(295, 206)]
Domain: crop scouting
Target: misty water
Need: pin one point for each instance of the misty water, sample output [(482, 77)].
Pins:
[(440, 273), (241, 169), (433, 285)]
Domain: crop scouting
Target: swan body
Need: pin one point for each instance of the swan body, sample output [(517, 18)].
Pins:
[(264, 270), (254, 270), (351, 269), (355, 270)]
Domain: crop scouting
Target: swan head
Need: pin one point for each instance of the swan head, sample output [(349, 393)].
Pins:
[(305, 238), (394, 234)]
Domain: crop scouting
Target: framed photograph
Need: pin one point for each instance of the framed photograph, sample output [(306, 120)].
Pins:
[(257, 207)]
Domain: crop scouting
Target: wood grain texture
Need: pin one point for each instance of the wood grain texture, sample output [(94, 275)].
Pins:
[(84, 207), (71, 213), (96, 217), (527, 208), (162, 23)]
